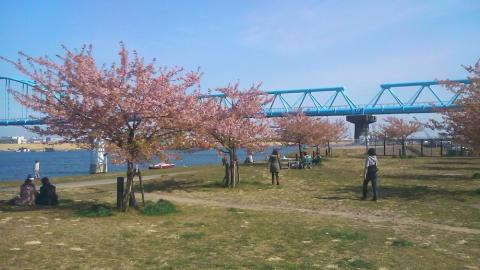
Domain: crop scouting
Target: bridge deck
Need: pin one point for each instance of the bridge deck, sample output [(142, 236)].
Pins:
[(16, 115)]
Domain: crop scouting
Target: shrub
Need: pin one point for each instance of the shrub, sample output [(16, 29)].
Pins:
[(356, 264), (476, 175), (233, 210), (162, 207), (96, 210), (192, 235), (401, 243)]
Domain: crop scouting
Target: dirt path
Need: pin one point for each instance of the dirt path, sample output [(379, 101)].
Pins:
[(344, 214)]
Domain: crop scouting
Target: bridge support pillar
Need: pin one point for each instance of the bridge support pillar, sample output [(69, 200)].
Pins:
[(361, 123), (98, 161)]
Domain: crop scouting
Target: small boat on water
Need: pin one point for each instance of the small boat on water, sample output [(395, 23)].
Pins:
[(23, 149), (161, 165)]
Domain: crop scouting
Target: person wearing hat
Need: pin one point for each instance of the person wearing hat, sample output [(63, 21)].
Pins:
[(27, 193)]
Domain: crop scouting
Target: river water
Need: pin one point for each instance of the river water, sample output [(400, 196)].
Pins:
[(16, 166)]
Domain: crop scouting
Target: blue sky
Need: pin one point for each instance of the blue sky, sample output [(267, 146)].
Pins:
[(283, 44)]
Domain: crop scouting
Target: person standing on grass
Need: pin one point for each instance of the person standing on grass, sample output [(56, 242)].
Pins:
[(275, 166), (370, 174), (36, 170)]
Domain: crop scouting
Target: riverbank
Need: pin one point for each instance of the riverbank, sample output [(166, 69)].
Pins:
[(100, 179), (4, 147)]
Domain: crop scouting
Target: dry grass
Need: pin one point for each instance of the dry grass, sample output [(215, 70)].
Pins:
[(260, 226), (39, 146)]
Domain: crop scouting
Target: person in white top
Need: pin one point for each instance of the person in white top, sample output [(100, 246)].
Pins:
[(370, 174), (36, 170)]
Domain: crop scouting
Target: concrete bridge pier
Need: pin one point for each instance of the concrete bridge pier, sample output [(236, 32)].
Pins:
[(361, 123), (98, 160)]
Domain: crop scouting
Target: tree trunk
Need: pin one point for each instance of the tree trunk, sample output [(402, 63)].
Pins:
[(232, 171), (129, 187), (236, 169), (141, 187), (300, 150), (226, 178), (329, 149), (232, 176)]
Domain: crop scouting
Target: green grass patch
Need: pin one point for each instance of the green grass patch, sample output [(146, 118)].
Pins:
[(191, 225), (192, 235), (342, 234), (401, 243), (356, 264), (162, 207), (126, 235), (96, 210), (233, 210)]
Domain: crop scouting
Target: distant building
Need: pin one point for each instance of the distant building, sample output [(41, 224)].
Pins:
[(35, 140), (50, 140), (13, 139)]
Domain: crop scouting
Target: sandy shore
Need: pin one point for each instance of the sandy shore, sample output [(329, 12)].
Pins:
[(40, 146)]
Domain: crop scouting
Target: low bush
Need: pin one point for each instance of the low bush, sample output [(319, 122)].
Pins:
[(342, 234), (192, 235), (476, 175), (162, 207), (97, 210), (401, 243), (356, 264)]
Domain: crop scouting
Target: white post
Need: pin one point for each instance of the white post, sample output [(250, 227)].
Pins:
[(105, 162), (98, 157)]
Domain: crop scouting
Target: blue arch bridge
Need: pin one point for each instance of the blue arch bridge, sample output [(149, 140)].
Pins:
[(392, 98)]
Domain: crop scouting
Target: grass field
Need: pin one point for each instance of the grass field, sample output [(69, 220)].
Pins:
[(428, 217)]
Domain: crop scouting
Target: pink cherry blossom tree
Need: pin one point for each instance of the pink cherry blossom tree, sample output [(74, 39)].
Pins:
[(237, 123), (399, 129), (463, 125), (300, 129), (135, 107)]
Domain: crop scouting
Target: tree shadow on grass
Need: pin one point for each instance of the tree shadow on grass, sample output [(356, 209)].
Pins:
[(428, 177), (403, 193), (338, 198), (447, 168), (63, 205), (170, 185), (456, 161)]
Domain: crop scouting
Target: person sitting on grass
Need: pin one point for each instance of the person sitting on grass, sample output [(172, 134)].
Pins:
[(307, 160), (317, 159), (27, 193), (249, 159), (48, 194)]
